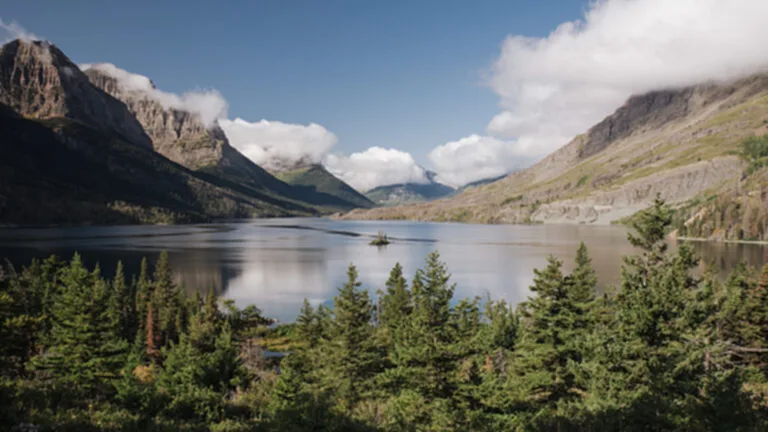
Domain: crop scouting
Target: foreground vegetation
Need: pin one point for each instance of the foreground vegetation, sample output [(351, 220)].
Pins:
[(663, 351), (736, 212)]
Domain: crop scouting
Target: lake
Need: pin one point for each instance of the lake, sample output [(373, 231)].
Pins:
[(276, 263)]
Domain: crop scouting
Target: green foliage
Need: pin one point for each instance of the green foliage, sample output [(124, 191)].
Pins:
[(755, 151), (665, 350)]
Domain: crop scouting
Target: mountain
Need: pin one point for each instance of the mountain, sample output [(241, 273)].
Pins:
[(315, 179), (72, 153), (404, 193), (479, 183), (683, 144), (183, 137), (37, 80)]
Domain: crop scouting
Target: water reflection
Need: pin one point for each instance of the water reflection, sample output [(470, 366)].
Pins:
[(277, 263)]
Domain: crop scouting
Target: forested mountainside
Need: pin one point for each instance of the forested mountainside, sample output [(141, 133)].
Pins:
[(315, 179), (679, 143), (74, 153)]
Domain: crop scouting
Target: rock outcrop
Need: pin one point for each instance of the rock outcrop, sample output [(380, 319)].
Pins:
[(38, 81)]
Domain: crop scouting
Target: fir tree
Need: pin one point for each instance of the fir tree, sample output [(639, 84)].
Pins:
[(307, 325), (395, 301), (549, 349), (423, 345), (86, 352), (356, 356), (143, 294)]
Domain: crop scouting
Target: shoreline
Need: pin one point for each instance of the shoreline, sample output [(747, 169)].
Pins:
[(725, 241)]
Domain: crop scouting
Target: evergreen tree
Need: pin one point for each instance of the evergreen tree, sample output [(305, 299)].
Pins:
[(549, 350), (423, 345), (124, 297), (355, 354), (396, 300), (86, 352), (143, 294), (307, 325), (167, 301)]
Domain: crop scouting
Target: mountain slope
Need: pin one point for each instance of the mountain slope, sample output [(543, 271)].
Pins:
[(405, 193), (37, 80), (316, 180), (678, 143), (61, 171), (183, 137), (73, 153)]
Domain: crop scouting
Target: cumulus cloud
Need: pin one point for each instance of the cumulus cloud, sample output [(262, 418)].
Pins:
[(276, 145), (375, 167), (556, 87), (475, 158), (210, 105), (12, 30)]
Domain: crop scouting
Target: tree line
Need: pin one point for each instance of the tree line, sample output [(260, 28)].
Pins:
[(663, 350)]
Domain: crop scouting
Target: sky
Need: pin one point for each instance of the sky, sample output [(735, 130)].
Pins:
[(377, 89)]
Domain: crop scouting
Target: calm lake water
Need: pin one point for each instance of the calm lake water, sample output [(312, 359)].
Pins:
[(276, 263)]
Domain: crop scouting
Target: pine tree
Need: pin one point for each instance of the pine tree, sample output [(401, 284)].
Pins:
[(307, 325), (143, 294), (167, 301), (125, 303), (395, 301), (86, 352), (423, 345), (652, 327), (356, 356), (549, 349)]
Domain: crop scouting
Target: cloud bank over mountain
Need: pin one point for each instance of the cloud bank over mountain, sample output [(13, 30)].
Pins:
[(276, 145), (210, 105), (376, 166), (475, 158), (11, 30), (556, 87)]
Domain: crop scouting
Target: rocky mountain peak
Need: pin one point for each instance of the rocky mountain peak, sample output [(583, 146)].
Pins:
[(37, 80), (177, 134)]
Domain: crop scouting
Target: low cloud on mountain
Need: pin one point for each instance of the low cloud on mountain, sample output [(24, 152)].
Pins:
[(375, 167), (556, 87), (475, 158), (210, 105), (275, 145), (12, 30)]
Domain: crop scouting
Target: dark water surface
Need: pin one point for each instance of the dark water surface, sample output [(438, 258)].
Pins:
[(276, 263)]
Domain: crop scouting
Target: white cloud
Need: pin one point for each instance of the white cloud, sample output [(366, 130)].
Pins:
[(12, 30), (210, 105), (375, 167), (275, 145), (475, 158), (556, 87)]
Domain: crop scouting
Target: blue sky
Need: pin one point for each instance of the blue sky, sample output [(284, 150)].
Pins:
[(402, 74)]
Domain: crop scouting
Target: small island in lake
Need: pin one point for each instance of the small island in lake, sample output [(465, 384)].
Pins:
[(380, 240)]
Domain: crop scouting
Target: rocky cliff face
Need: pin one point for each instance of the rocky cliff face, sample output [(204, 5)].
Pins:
[(182, 137), (178, 135), (38, 81)]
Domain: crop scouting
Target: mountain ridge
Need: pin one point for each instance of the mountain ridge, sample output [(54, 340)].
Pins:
[(686, 138)]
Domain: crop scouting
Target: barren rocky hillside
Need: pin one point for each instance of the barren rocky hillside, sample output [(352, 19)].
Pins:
[(38, 81), (679, 143)]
